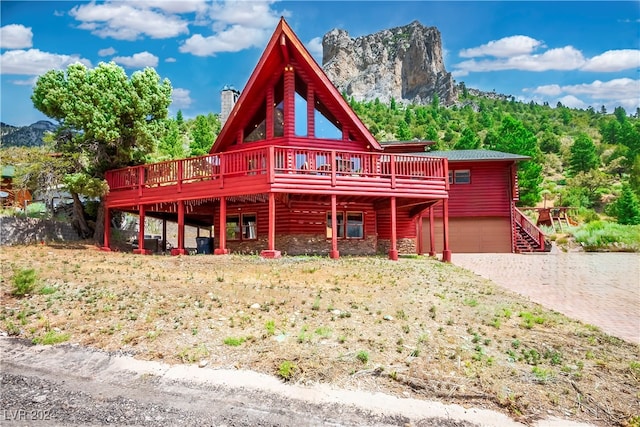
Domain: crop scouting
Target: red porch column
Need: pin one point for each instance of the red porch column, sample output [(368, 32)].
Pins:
[(222, 229), (334, 254), (393, 251), (432, 237), (446, 253), (107, 230), (141, 217), (419, 243), (180, 250), (271, 252), (164, 235)]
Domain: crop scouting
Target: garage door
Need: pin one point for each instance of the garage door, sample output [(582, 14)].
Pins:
[(471, 235)]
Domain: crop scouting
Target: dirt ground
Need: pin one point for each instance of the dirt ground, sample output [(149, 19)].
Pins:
[(416, 328)]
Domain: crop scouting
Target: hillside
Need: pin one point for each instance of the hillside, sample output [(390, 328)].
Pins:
[(25, 136)]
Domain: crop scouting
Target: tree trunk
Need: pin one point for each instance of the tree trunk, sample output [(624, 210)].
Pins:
[(98, 234), (78, 221)]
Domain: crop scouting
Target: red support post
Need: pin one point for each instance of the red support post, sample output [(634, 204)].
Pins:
[(271, 252), (222, 229), (420, 245), (446, 252), (311, 110), (432, 237), (180, 250), (269, 114), (393, 251), (141, 217), (334, 254), (107, 230)]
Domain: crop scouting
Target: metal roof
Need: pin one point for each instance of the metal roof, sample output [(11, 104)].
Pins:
[(474, 155)]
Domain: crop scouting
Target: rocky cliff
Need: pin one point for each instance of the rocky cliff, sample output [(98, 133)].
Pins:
[(404, 63)]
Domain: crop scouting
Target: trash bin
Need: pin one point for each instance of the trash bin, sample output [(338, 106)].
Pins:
[(204, 245)]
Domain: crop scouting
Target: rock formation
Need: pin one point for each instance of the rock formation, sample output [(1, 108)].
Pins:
[(404, 63)]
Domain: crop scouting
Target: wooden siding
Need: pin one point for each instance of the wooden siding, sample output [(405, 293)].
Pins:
[(471, 235), (405, 225), (488, 194)]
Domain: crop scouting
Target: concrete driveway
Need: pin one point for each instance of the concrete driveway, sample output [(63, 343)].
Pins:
[(602, 289)]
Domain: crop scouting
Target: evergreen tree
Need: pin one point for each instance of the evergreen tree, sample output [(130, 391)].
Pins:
[(107, 121), (627, 207), (402, 132), (468, 140), (513, 137), (584, 156), (201, 137)]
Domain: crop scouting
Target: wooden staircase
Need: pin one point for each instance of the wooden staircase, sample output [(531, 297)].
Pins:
[(527, 236)]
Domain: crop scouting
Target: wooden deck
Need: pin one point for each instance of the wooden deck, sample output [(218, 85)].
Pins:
[(279, 170)]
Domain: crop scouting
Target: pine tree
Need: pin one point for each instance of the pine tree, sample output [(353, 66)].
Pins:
[(584, 156), (627, 207)]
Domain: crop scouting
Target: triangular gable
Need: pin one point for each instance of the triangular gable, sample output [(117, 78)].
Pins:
[(283, 51)]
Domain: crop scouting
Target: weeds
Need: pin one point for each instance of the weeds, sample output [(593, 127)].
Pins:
[(24, 282), (362, 356), (234, 341), (286, 370), (52, 337)]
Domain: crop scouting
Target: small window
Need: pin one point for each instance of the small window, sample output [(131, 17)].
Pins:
[(339, 225), (233, 227), (355, 225), (249, 226), (462, 177)]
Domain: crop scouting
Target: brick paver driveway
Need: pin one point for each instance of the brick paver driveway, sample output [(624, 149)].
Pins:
[(602, 289)]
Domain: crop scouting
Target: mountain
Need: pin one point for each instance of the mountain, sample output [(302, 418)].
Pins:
[(25, 136), (404, 63)]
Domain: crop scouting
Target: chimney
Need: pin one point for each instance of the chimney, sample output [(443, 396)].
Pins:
[(228, 98)]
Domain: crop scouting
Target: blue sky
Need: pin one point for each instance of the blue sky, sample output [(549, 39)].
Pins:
[(579, 53)]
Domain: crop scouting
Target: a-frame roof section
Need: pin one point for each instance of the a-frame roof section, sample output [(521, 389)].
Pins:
[(283, 47)]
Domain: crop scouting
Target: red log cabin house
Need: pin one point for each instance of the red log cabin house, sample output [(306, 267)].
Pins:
[(294, 170)]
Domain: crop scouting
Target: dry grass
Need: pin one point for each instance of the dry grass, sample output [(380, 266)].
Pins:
[(413, 327)]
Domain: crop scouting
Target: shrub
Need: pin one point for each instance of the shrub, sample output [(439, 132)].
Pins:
[(286, 370), (362, 356), (24, 282), (234, 341), (51, 337), (604, 235)]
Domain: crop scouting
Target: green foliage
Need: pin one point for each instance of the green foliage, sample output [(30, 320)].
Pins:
[(52, 337), (24, 282), (468, 141), (286, 370), (584, 156), (36, 210), (202, 136), (234, 341), (627, 207), (604, 235), (362, 356), (82, 183)]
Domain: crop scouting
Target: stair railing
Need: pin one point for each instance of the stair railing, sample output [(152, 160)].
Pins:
[(529, 227)]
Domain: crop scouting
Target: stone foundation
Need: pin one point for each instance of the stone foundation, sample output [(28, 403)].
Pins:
[(404, 246), (305, 244)]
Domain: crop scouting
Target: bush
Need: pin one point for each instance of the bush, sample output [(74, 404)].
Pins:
[(36, 210), (24, 282), (608, 236)]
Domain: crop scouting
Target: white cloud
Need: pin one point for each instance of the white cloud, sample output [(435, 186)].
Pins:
[(180, 98), (236, 26), (175, 6), (572, 102), (138, 60), (170, 59), (614, 60), (107, 52), (128, 21), (34, 62), (504, 48), (315, 48), (15, 36), (617, 92), (565, 58), (25, 82)]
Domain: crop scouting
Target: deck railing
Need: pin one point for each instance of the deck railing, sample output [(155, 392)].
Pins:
[(529, 227), (276, 160)]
